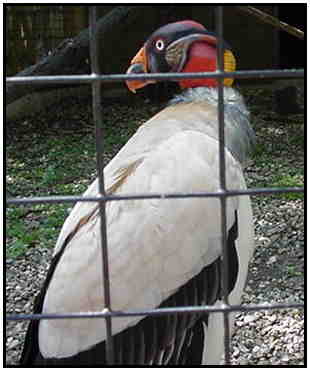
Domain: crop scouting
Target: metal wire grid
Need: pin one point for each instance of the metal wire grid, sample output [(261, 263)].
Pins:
[(95, 79)]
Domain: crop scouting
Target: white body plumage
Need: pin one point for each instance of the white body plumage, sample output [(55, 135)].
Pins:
[(155, 246)]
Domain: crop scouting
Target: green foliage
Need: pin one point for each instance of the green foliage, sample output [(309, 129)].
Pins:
[(287, 180), (293, 271), (280, 144)]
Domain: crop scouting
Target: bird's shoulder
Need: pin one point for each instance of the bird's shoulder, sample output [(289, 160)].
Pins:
[(168, 153)]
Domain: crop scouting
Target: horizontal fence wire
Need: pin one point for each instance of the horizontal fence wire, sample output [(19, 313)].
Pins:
[(167, 76), (96, 79), (143, 196), (158, 312)]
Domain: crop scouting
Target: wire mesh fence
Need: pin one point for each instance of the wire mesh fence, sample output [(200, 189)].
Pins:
[(95, 79)]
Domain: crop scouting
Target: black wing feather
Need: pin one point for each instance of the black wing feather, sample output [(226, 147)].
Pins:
[(169, 340)]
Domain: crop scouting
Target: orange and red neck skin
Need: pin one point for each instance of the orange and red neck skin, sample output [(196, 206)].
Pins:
[(199, 54), (202, 58)]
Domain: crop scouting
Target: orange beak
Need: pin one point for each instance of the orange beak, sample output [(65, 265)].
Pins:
[(138, 65)]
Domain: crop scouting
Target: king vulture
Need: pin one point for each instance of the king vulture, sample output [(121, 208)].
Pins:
[(162, 252)]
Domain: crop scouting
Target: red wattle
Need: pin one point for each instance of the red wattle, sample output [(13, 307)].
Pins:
[(201, 58)]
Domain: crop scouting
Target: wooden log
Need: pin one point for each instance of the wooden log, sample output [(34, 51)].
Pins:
[(71, 57)]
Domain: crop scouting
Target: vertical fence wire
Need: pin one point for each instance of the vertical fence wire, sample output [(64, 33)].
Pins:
[(99, 137), (223, 193), (222, 176)]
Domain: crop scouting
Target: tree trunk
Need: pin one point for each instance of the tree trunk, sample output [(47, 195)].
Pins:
[(71, 57)]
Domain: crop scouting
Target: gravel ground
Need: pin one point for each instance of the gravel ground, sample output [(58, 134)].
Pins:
[(273, 337)]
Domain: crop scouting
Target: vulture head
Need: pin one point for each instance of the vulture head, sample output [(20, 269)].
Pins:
[(184, 46)]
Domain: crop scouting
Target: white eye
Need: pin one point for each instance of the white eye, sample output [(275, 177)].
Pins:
[(160, 45)]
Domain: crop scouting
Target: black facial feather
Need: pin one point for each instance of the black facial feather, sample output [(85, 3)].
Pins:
[(164, 36)]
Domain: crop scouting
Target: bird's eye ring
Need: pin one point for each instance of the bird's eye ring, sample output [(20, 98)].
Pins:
[(160, 45)]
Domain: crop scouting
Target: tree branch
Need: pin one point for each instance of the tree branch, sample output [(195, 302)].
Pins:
[(267, 18), (72, 55)]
